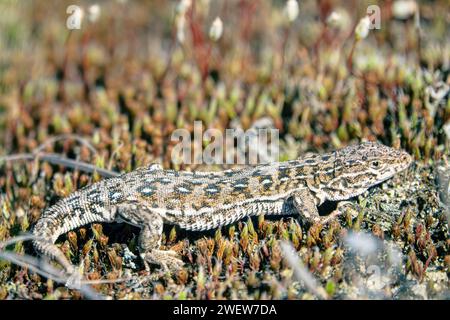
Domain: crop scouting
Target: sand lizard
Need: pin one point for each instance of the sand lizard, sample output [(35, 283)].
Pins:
[(150, 196)]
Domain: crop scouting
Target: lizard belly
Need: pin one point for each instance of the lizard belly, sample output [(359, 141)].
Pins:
[(217, 217)]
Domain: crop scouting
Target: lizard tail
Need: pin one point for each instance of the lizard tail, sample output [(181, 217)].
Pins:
[(46, 231), (66, 215)]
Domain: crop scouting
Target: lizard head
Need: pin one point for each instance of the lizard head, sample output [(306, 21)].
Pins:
[(357, 168)]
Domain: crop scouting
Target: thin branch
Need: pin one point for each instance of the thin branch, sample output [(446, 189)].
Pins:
[(46, 270), (300, 272), (65, 137), (54, 158)]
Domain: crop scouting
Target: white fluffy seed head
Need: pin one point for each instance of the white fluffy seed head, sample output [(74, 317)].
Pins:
[(363, 28), (215, 32), (291, 10), (183, 6), (94, 13), (403, 9)]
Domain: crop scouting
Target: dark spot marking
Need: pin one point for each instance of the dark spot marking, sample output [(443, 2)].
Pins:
[(256, 173), (229, 173), (327, 207), (350, 162), (162, 181), (94, 209), (94, 195), (283, 174), (173, 173), (183, 188), (240, 184), (266, 181), (170, 214), (196, 182), (205, 204), (212, 189)]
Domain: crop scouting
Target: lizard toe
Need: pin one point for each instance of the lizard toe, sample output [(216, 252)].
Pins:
[(171, 253), (168, 260)]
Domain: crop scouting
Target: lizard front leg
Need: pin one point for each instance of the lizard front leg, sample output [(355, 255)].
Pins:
[(306, 204), (149, 241)]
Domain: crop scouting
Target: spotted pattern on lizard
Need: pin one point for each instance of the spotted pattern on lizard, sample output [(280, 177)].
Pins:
[(150, 197)]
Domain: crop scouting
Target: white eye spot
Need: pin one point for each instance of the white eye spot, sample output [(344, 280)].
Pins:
[(147, 190), (116, 195), (240, 185), (183, 190), (212, 190), (155, 167), (267, 181), (284, 179)]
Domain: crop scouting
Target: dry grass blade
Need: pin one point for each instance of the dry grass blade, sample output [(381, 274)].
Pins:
[(75, 137), (300, 272), (58, 160), (24, 237), (46, 270), (75, 164)]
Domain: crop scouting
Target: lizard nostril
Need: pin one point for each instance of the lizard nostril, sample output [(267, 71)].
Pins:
[(406, 158)]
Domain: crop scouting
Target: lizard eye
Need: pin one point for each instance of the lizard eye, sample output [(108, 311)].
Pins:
[(375, 164)]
